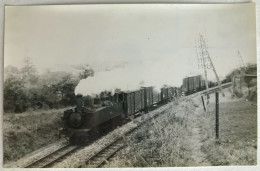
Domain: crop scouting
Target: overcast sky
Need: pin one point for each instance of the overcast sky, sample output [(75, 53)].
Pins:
[(160, 36)]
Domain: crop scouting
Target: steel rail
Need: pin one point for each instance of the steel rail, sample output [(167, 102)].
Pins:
[(101, 156), (49, 159)]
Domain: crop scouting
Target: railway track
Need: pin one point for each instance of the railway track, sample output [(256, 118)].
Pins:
[(104, 154), (95, 161), (100, 158), (50, 159)]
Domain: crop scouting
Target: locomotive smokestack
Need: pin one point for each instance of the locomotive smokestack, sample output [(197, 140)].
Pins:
[(79, 102), (89, 102)]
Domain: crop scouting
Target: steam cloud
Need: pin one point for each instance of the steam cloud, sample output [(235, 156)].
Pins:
[(133, 76)]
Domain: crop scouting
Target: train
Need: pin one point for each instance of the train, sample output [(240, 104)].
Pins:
[(196, 83), (93, 115)]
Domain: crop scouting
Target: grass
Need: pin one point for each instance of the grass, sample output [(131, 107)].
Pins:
[(237, 144), (24, 133), (162, 142), (168, 140)]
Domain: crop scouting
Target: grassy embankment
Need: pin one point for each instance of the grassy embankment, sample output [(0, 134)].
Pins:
[(165, 141), (29, 131), (169, 139)]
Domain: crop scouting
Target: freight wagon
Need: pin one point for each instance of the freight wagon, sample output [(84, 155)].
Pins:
[(192, 84), (167, 94)]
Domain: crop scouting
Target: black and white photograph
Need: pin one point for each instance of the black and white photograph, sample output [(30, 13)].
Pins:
[(129, 85)]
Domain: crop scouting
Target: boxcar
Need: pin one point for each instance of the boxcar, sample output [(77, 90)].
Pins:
[(139, 100), (197, 80), (167, 93), (192, 84), (185, 84), (134, 102), (156, 97), (163, 94), (148, 97), (170, 93), (129, 102)]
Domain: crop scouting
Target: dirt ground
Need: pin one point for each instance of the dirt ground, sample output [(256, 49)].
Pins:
[(26, 132)]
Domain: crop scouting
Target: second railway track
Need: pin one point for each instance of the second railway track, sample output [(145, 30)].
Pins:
[(51, 158), (100, 158)]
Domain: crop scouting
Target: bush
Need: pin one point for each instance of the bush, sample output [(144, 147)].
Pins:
[(19, 96), (15, 99)]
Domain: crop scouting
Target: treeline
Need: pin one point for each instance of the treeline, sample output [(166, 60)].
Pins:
[(25, 89)]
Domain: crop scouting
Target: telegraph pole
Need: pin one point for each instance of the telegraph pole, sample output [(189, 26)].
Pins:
[(241, 59), (202, 56), (243, 64), (205, 54)]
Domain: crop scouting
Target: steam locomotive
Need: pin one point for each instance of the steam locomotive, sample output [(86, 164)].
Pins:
[(94, 115)]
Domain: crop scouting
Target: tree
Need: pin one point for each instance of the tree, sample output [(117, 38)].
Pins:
[(29, 73), (11, 71), (66, 88), (15, 99)]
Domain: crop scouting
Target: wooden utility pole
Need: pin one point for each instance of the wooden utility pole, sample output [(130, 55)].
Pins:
[(203, 103), (243, 64), (217, 115), (206, 53), (202, 54)]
